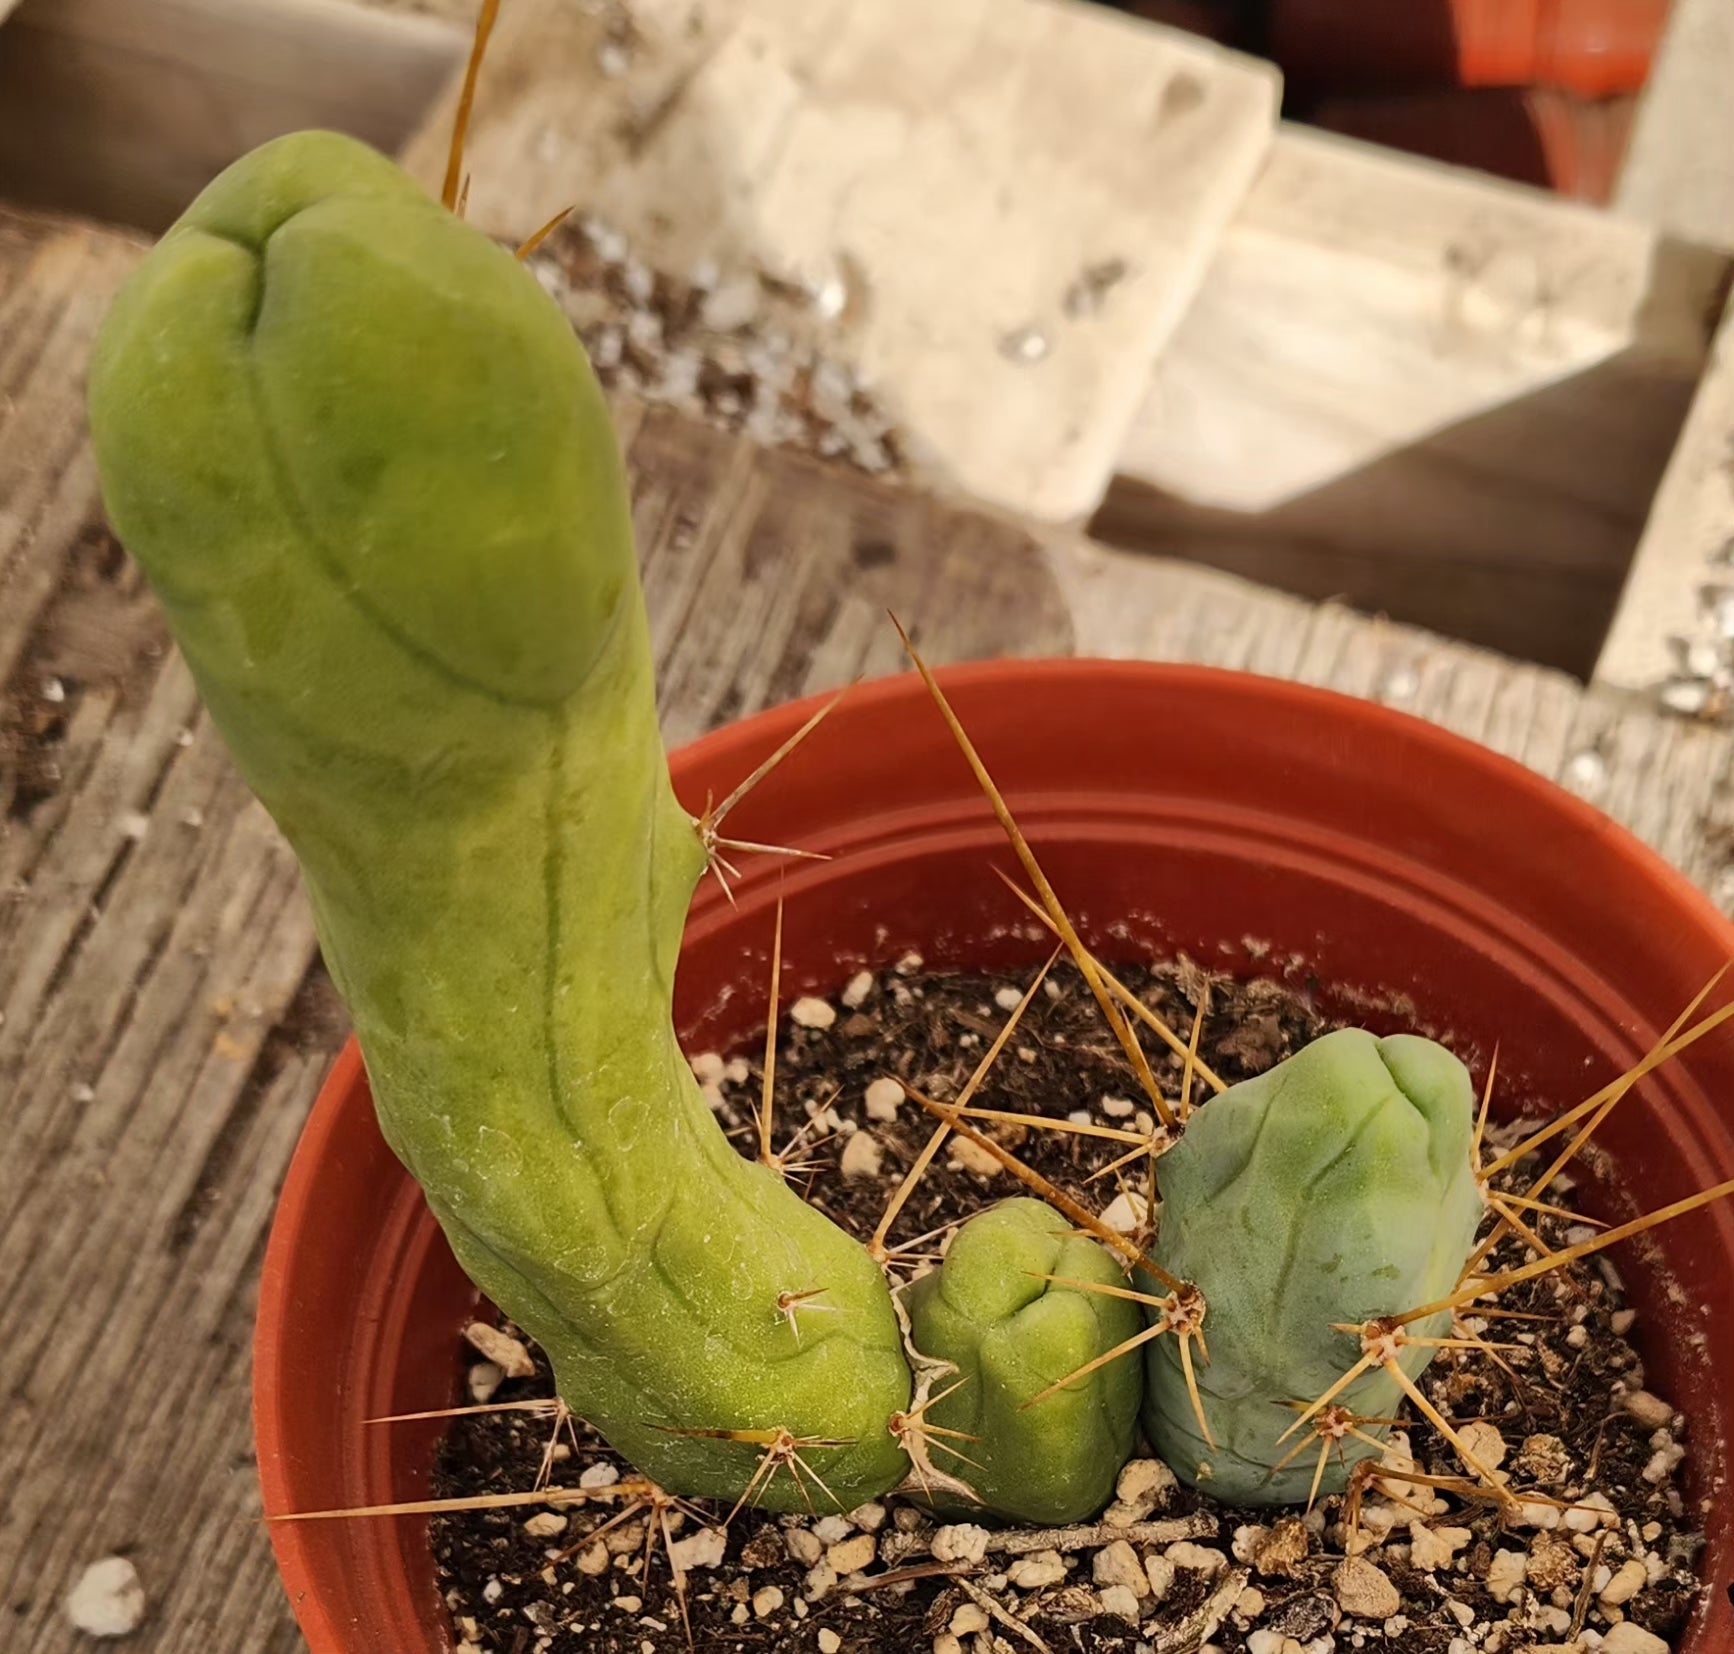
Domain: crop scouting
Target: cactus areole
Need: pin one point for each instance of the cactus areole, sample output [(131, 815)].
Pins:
[(367, 469)]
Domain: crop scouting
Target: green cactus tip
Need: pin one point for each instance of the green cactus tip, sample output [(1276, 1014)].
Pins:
[(1335, 1190), (1047, 1409)]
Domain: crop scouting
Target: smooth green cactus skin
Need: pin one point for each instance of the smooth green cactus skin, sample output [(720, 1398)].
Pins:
[(1011, 1334), (1336, 1188), (369, 473)]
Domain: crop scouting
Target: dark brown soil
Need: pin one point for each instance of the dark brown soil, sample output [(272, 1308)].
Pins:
[(1565, 1406)]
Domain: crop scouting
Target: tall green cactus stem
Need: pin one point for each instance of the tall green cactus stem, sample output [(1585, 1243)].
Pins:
[(1012, 1334), (370, 475), (1334, 1189)]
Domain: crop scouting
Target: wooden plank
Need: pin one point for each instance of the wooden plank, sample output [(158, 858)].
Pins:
[(1006, 273), (56, 279), (125, 109), (1431, 393), (1668, 780), (1674, 628), (1678, 173), (163, 1028)]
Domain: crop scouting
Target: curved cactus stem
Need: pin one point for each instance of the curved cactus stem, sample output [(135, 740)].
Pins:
[(876, 1247), (403, 578)]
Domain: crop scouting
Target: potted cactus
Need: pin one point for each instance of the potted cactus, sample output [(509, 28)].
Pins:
[(368, 472)]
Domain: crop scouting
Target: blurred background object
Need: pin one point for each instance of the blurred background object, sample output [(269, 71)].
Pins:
[(1532, 135), (1306, 290), (1538, 91), (1593, 48), (125, 109)]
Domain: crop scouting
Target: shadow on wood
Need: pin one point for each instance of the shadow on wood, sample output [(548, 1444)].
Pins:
[(1511, 527), (1443, 534)]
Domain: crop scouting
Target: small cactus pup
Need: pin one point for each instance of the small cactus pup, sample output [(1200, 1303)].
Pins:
[(1335, 1189), (1001, 1309), (367, 469)]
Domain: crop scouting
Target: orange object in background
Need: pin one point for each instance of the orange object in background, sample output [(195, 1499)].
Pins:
[(1534, 136), (1594, 48)]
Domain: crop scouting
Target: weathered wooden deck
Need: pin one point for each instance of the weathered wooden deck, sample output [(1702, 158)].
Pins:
[(164, 1024)]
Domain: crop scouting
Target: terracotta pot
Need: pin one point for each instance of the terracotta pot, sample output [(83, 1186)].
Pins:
[(1540, 137), (1249, 821), (1590, 47)]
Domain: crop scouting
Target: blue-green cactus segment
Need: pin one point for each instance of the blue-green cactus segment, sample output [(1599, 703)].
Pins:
[(1012, 1334), (1334, 1189), (367, 469)]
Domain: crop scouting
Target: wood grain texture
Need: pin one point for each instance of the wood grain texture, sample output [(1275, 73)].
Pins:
[(1425, 391), (154, 949), (166, 1026), (928, 160)]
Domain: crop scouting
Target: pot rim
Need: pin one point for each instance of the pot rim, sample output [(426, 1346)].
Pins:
[(297, 1208)]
